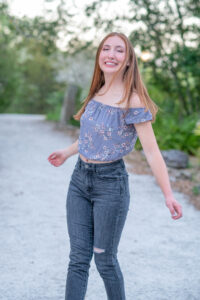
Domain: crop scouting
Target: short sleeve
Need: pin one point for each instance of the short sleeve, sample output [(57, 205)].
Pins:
[(138, 115)]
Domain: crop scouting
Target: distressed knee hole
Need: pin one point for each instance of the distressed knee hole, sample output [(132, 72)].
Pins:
[(97, 250)]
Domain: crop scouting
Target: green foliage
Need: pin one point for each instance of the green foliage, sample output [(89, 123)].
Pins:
[(172, 130), (74, 122), (82, 93), (197, 129), (10, 79), (27, 63), (197, 134), (196, 190), (54, 101), (172, 133), (9, 74), (37, 84)]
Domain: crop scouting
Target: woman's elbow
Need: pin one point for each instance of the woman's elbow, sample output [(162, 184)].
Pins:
[(152, 153)]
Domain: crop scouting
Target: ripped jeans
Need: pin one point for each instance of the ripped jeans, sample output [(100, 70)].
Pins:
[(97, 206)]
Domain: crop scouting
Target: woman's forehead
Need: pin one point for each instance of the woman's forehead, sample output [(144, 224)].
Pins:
[(114, 41)]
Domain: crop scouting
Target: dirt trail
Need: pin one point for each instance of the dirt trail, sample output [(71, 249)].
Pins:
[(159, 257)]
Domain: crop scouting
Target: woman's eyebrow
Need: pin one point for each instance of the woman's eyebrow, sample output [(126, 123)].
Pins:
[(115, 46)]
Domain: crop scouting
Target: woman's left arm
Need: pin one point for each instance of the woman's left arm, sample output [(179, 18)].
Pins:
[(154, 157)]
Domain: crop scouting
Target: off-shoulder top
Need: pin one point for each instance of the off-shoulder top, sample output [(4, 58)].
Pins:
[(105, 134)]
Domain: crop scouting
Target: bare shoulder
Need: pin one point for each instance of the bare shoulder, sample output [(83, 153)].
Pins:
[(135, 101)]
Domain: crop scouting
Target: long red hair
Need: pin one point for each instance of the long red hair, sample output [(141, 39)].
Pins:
[(131, 77)]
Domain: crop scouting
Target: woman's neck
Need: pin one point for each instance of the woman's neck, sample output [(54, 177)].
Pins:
[(116, 88)]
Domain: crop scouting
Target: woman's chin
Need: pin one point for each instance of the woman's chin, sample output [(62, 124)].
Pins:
[(109, 70)]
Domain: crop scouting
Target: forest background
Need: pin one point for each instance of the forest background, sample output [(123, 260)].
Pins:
[(41, 57)]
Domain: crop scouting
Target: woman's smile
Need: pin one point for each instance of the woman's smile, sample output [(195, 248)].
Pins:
[(111, 64)]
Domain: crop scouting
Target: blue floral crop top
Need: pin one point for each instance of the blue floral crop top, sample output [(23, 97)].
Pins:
[(105, 134)]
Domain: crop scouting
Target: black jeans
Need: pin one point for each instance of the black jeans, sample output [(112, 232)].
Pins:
[(97, 206)]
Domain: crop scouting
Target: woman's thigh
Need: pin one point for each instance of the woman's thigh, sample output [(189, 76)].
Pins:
[(79, 215), (111, 200)]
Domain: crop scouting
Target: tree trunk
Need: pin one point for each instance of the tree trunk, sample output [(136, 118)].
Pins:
[(68, 108)]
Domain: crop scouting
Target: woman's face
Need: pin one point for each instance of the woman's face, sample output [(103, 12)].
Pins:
[(112, 54)]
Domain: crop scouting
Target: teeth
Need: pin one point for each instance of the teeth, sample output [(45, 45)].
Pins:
[(108, 63)]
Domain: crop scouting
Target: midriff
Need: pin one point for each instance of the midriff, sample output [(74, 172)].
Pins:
[(92, 161)]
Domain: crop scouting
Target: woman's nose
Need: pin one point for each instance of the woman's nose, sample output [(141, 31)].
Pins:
[(111, 54)]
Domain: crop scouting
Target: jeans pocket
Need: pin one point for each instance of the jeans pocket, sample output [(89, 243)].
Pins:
[(112, 172), (107, 184), (105, 178)]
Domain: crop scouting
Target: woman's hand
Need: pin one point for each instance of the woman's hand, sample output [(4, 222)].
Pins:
[(174, 207), (57, 158)]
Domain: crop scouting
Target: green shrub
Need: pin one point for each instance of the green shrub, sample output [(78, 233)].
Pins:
[(54, 101), (172, 133), (197, 133)]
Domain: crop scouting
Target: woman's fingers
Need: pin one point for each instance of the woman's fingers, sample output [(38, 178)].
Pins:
[(178, 210), (172, 211), (52, 156), (55, 163), (175, 209)]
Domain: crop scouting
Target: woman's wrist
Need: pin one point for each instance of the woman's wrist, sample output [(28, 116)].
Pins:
[(169, 197), (66, 153), (71, 150)]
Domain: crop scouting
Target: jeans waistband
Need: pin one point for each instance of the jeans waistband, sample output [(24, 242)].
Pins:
[(99, 166)]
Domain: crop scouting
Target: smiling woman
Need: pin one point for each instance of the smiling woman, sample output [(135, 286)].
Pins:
[(112, 55), (116, 111)]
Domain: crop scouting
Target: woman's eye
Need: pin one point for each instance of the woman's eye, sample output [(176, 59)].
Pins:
[(106, 49)]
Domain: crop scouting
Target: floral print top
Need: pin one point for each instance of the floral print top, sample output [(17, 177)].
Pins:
[(105, 134)]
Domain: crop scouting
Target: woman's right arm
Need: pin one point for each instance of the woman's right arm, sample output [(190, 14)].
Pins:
[(71, 150), (58, 157)]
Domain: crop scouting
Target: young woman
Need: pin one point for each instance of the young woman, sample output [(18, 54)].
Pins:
[(117, 110)]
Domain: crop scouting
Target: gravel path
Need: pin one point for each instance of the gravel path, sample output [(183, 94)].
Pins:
[(159, 257)]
